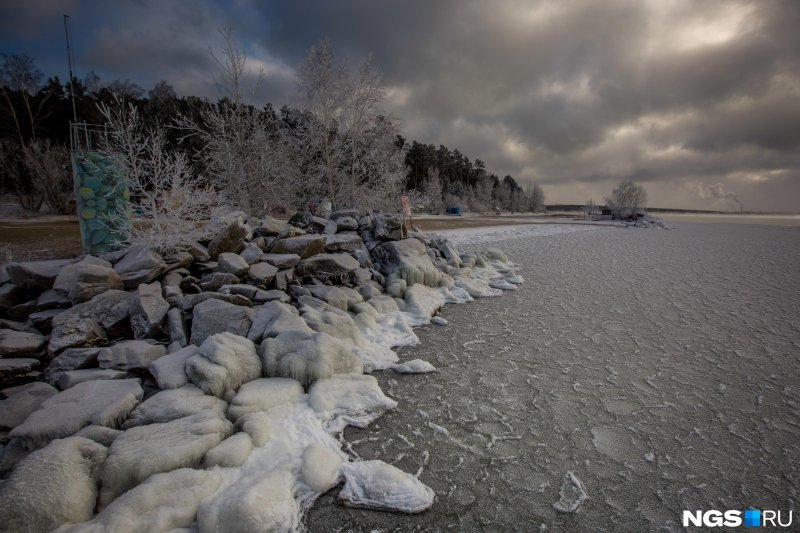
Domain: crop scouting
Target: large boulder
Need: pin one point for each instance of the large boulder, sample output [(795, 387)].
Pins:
[(110, 309), (408, 259), (36, 276), (270, 227), (215, 316), (85, 279), (325, 266), (148, 310), (228, 239), (53, 486), (19, 343), (105, 403), (75, 332), (274, 318), (141, 264), (304, 245), (387, 227), (130, 355)]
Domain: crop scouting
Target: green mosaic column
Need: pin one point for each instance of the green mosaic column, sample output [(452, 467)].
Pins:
[(103, 201)]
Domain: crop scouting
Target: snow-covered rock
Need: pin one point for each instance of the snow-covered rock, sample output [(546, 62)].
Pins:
[(143, 451), (169, 405), (225, 361), (377, 485), (15, 409), (164, 502), (231, 452), (321, 467), (274, 318), (264, 394), (409, 260), (415, 366), (53, 486), (103, 402)]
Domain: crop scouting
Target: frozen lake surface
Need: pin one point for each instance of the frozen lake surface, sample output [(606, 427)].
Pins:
[(662, 368)]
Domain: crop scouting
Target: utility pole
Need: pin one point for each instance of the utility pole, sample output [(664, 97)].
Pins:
[(71, 77)]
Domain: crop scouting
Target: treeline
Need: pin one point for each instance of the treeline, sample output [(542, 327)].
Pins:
[(340, 145)]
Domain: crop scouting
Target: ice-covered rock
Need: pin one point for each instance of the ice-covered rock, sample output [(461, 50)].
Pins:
[(106, 403), (408, 259), (215, 316), (19, 343), (258, 425), (148, 310), (84, 280), (274, 318), (232, 263), (143, 451), (240, 508), (334, 296), (304, 246), (169, 405), (264, 394), (170, 370), (495, 254), (130, 355), (415, 366), (377, 485), (15, 409), (72, 377), (231, 452), (571, 495), (477, 288), (53, 486), (164, 502), (348, 400), (225, 361), (99, 434), (321, 467), (307, 357), (141, 264)]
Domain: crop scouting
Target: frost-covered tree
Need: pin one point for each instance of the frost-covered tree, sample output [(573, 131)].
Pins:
[(433, 190), (627, 199), (49, 170), (349, 147), (536, 198), (170, 203)]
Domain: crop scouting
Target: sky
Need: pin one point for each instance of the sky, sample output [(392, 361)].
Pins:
[(699, 101)]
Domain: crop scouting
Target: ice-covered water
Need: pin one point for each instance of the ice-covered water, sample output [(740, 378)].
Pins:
[(661, 368)]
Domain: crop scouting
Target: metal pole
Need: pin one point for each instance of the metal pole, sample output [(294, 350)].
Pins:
[(71, 77)]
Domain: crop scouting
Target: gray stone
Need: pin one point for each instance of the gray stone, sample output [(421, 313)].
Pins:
[(304, 245), (14, 410), (344, 213), (50, 299), (36, 276), (130, 355), (387, 228), (330, 228), (229, 239), (10, 295), (85, 279), (148, 310), (232, 263), (270, 227), (16, 326), (281, 260), (173, 279), (141, 264), (70, 359), (347, 223), (76, 333), (196, 250), (19, 343), (173, 295), (178, 259), (251, 253), (16, 371), (212, 282), (215, 316), (176, 327), (344, 242), (324, 266), (43, 320), (271, 296), (192, 300), (69, 379), (283, 278), (262, 274), (110, 309)]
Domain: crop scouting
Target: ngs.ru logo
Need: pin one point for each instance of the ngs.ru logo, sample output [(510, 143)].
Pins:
[(748, 518)]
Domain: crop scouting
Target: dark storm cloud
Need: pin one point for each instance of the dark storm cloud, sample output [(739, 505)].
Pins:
[(688, 97)]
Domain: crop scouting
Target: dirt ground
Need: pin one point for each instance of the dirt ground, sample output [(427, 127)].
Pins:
[(59, 237)]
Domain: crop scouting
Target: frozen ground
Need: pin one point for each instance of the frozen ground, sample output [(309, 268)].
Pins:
[(661, 368)]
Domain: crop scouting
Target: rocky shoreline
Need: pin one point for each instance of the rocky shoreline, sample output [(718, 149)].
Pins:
[(152, 391)]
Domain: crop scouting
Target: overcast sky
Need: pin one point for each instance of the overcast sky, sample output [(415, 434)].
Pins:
[(697, 100)]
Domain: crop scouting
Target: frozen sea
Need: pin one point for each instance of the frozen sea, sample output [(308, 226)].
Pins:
[(662, 368)]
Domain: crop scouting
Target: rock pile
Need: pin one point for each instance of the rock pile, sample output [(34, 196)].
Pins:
[(243, 350)]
